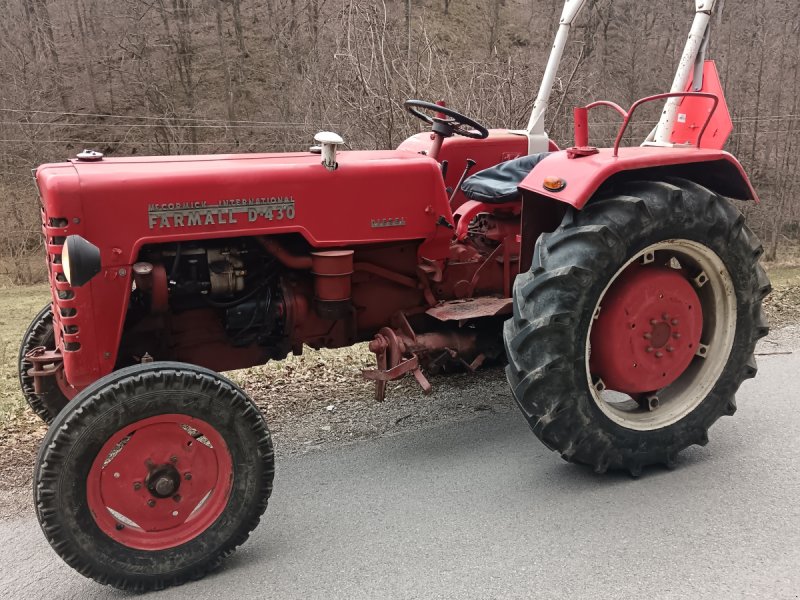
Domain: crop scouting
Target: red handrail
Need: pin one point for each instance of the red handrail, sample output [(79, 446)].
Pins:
[(641, 101), (628, 115), (609, 104)]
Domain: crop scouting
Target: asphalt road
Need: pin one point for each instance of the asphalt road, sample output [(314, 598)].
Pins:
[(480, 509)]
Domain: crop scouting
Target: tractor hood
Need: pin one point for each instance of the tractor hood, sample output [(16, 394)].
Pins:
[(120, 204)]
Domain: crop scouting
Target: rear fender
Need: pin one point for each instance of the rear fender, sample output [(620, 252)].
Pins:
[(543, 209), (715, 169)]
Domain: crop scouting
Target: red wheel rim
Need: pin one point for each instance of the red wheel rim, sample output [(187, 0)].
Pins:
[(160, 482), (648, 330), (641, 374)]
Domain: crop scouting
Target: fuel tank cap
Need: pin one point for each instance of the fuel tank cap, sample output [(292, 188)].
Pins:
[(90, 156)]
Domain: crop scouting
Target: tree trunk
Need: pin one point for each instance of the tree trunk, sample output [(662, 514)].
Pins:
[(408, 31), (230, 92)]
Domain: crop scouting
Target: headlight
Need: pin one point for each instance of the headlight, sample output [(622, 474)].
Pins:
[(80, 260)]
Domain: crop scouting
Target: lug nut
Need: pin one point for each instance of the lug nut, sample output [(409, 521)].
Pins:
[(173, 459), (665, 316), (653, 322), (670, 349), (676, 335), (659, 354), (188, 476), (137, 485), (151, 503), (674, 321), (650, 349), (647, 336), (177, 497)]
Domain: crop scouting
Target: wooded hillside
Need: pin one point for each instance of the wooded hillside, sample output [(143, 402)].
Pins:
[(133, 77)]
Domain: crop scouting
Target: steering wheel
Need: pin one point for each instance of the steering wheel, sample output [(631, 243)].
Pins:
[(454, 124)]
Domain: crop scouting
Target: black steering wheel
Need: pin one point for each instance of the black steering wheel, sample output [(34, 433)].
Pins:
[(454, 124)]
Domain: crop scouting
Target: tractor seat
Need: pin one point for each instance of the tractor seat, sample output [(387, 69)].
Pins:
[(499, 184)]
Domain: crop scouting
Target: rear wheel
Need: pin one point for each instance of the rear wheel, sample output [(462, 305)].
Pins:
[(54, 392), (636, 325), (153, 475)]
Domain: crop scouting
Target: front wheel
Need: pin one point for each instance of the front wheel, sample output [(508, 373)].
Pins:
[(153, 475), (54, 392), (637, 324)]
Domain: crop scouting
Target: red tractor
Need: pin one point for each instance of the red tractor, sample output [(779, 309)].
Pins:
[(621, 284)]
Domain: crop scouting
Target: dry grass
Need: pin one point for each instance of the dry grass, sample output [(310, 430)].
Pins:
[(18, 305)]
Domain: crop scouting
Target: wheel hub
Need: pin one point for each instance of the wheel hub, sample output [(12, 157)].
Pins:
[(660, 334), (163, 481), (648, 330)]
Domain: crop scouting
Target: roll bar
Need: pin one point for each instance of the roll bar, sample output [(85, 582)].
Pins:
[(693, 55), (581, 116)]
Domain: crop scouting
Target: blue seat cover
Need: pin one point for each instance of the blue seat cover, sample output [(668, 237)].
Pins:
[(499, 184)]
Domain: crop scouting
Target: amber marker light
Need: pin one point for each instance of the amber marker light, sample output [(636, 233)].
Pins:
[(554, 184)]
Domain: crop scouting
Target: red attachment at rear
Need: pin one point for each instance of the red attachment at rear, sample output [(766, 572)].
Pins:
[(701, 127), (581, 127), (648, 330), (694, 111), (696, 114)]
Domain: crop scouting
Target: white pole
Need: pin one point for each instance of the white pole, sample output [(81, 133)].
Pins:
[(662, 133), (537, 138)]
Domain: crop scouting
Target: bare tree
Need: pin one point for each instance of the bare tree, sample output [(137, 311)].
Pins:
[(225, 75)]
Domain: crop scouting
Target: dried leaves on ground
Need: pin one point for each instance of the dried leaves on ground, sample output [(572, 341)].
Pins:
[(783, 305)]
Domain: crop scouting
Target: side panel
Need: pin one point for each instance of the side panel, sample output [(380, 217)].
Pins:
[(585, 175), (500, 146), (373, 197), (88, 320)]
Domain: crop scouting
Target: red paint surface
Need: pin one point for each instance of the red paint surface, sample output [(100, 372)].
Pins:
[(500, 146), (472, 208), (155, 441), (332, 208), (390, 208), (581, 126), (694, 111), (585, 175), (648, 330), (107, 203)]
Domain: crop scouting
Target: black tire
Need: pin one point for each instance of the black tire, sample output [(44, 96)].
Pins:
[(51, 400), (554, 305), (119, 399)]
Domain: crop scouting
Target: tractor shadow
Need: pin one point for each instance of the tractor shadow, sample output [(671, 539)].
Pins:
[(502, 438)]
